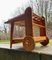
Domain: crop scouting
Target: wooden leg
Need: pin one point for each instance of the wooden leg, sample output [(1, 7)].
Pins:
[(11, 34), (42, 31)]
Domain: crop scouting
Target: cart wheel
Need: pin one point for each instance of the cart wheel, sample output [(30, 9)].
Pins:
[(28, 43), (45, 42)]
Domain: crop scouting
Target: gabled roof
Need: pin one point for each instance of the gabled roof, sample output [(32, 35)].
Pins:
[(20, 19)]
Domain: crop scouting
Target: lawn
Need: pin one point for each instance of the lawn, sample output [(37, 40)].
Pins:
[(7, 42), (50, 42), (4, 41)]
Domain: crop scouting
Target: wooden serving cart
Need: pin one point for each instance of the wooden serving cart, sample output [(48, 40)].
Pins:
[(29, 19)]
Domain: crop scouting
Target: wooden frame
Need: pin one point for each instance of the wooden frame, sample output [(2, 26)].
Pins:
[(30, 19)]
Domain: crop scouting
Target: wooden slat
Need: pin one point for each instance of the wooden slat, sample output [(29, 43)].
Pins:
[(38, 20), (20, 23), (34, 24), (36, 39), (35, 15), (39, 39), (17, 40)]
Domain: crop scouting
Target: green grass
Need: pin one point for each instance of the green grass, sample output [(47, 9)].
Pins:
[(50, 42), (8, 41), (4, 41)]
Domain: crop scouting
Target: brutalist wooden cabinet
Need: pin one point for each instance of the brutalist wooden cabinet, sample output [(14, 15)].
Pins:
[(29, 19)]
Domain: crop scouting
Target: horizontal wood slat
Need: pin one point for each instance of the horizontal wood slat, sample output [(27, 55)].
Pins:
[(39, 38)]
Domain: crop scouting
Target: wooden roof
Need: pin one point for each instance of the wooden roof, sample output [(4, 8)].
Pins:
[(21, 18), (15, 19)]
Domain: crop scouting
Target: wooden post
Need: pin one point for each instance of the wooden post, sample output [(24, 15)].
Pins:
[(28, 22), (43, 30), (11, 34)]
